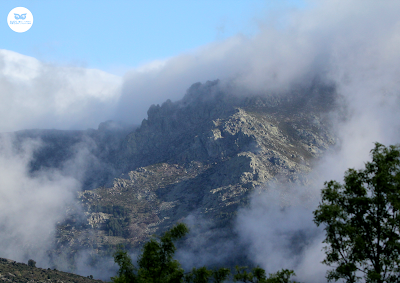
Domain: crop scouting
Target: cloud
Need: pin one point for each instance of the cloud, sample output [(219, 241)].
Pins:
[(353, 44), (277, 227), (206, 245), (30, 205), (39, 95)]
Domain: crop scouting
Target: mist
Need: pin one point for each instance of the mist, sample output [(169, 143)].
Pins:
[(39, 95), (35, 201), (352, 44), (358, 50), (31, 205)]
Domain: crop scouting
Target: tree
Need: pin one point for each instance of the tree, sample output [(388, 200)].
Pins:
[(198, 275), (156, 263), (126, 271), (282, 276), (220, 275), (32, 263), (257, 275), (254, 276), (362, 220)]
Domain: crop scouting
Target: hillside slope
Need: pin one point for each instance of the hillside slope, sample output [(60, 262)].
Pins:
[(12, 271), (203, 155)]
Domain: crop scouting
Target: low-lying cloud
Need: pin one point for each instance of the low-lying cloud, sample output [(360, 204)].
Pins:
[(30, 205), (39, 95), (279, 232), (353, 44)]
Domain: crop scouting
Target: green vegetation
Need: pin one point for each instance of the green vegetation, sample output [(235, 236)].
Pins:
[(116, 210), (115, 227), (362, 220), (32, 263), (117, 224), (157, 265), (257, 275), (11, 271)]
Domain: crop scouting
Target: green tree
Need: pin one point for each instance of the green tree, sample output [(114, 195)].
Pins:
[(198, 275), (282, 276), (32, 263), (156, 264), (203, 275), (126, 271), (257, 275), (362, 220), (220, 275)]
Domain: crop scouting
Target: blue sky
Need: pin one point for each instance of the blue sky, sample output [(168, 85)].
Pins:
[(115, 36)]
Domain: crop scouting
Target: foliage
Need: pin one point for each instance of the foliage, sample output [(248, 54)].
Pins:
[(156, 263), (115, 227), (12, 271), (203, 275), (32, 263), (362, 220), (257, 275), (220, 275), (126, 271), (282, 276), (198, 275), (242, 275)]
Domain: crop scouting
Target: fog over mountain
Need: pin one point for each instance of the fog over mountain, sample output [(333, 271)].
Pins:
[(42, 95), (353, 45)]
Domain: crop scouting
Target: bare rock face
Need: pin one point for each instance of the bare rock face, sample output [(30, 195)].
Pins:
[(206, 154)]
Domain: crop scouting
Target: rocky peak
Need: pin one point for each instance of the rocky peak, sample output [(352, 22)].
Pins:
[(210, 123), (205, 154)]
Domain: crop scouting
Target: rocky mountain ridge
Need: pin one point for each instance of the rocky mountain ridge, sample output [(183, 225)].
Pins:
[(99, 147), (202, 155)]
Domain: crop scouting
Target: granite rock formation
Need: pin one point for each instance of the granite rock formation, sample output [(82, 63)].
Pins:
[(204, 154)]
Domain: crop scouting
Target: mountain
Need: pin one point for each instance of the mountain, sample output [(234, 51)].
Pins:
[(99, 148), (203, 155)]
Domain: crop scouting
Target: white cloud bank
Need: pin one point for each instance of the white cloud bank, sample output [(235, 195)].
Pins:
[(355, 44), (30, 205), (38, 95), (352, 43)]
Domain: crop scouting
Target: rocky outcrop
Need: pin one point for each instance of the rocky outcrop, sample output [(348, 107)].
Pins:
[(206, 154), (209, 124)]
